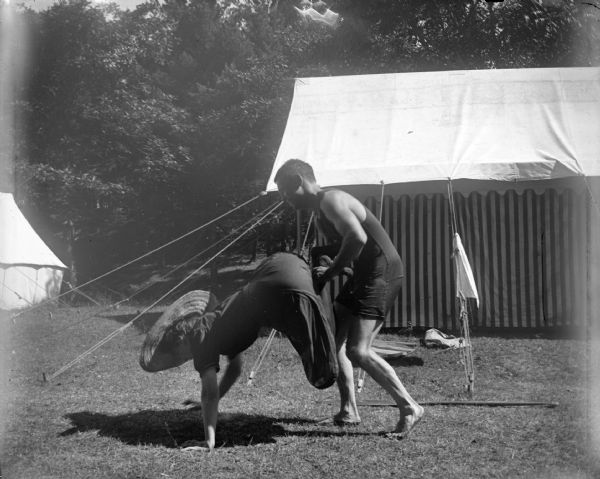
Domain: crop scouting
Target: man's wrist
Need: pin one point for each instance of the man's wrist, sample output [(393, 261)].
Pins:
[(331, 273)]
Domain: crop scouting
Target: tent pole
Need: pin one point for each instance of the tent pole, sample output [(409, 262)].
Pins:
[(381, 201), (261, 356), (452, 209), (466, 354)]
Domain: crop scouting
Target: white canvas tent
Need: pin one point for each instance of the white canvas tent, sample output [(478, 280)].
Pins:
[(29, 271), (520, 147)]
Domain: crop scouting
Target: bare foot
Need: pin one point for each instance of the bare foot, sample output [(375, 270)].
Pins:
[(194, 445), (343, 418), (192, 405), (407, 423)]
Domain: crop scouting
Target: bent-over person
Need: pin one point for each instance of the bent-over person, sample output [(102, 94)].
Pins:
[(280, 295)]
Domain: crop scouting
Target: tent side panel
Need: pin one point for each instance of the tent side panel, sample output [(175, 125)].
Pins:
[(526, 274), (419, 226), (23, 286), (524, 249)]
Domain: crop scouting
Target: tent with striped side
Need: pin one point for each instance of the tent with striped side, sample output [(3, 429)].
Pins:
[(521, 151)]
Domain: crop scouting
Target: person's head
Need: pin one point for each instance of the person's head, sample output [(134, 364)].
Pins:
[(296, 183)]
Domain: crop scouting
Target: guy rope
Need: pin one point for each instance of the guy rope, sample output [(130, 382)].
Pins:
[(265, 349), (465, 287), (145, 287), (128, 324), (135, 260)]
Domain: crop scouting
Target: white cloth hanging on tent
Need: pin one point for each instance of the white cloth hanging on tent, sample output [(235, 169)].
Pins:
[(465, 281)]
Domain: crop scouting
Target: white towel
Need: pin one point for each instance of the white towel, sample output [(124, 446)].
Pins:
[(435, 338)]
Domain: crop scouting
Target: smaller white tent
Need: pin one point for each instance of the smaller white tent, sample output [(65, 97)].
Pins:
[(29, 271)]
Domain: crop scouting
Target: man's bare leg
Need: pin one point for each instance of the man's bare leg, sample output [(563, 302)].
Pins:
[(348, 413), (361, 333)]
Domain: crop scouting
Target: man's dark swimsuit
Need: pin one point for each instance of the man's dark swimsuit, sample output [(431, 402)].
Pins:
[(378, 270), (281, 296)]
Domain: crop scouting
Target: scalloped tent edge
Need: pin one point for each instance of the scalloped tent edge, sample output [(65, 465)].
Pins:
[(29, 271)]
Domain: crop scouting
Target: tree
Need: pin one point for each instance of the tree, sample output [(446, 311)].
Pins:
[(141, 125)]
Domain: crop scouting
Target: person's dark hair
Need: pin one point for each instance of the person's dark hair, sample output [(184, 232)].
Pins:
[(295, 167)]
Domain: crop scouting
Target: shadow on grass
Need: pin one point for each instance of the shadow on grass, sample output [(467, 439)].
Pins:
[(406, 361), (171, 428)]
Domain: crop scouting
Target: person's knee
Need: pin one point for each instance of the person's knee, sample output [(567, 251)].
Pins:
[(357, 354)]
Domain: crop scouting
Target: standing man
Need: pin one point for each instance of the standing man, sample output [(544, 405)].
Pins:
[(366, 298)]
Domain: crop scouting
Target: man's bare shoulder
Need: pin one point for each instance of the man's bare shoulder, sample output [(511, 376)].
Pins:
[(335, 202), (334, 196)]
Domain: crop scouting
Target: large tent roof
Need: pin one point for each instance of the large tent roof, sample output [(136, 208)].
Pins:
[(19, 243), (503, 125)]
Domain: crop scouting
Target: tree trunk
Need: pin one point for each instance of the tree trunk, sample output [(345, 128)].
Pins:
[(72, 273)]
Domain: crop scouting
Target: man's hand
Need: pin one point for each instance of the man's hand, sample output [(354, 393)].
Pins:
[(321, 274), (324, 272)]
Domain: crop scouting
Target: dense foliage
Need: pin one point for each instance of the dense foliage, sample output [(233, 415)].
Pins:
[(139, 125)]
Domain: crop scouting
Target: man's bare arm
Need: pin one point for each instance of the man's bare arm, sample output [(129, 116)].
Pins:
[(210, 404), (340, 208)]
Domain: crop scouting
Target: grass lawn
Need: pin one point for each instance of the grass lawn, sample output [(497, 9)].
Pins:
[(107, 418)]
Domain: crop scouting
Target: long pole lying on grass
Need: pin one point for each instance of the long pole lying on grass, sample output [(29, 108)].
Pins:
[(376, 403)]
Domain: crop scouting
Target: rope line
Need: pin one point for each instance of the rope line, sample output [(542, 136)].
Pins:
[(381, 201), (267, 345), (128, 324), (208, 248), (452, 207), (592, 197), (310, 222), (81, 293), (222, 240), (40, 287), (15, 292), (261, 356), (147, 286), (466, 353), (195, 230)]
